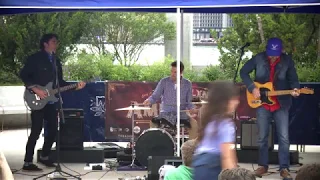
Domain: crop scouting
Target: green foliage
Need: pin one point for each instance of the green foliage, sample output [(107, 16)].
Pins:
[(213, 73), (20, 35), (83, 67), (86, 66), (309, 73), (9, 78), (298, 32), (128, 33), (214, 34)]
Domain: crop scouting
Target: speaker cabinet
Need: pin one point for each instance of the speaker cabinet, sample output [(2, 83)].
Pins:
[(71, 131), (250, 135)]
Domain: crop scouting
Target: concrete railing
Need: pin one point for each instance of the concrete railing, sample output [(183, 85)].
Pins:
[(13, 111)]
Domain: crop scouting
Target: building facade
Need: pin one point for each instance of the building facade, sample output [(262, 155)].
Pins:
[(203, 23)]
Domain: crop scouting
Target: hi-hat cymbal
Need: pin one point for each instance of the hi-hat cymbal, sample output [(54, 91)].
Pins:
[(130, 108)]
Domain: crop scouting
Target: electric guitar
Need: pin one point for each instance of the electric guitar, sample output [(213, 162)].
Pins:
[(266, 90), (36, 103)]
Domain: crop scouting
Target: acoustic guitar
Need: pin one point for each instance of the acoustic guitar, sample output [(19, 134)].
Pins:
[(266, 90)]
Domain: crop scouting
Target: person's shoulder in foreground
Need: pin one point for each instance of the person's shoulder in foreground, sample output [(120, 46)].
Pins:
[(181, 173)]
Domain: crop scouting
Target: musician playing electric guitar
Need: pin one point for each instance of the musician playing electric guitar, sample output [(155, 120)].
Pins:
[(276, 67), (39, 70)]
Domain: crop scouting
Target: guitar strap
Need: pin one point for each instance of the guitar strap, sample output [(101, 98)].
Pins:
[(275, 76), (54, 70)]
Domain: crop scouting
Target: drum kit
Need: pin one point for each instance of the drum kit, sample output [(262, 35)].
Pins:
[(153, 141)]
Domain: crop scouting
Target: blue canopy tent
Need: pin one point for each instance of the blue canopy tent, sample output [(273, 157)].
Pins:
[(10, 7), (188, 6)]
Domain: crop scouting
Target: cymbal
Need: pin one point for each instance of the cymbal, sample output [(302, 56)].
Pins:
[(130, 108), (202, 102)]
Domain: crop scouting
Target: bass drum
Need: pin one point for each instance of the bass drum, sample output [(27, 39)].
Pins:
[(154, 142)]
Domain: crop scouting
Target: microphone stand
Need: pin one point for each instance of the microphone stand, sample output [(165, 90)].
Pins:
[(239, 61), (234, 81), (59, 114)]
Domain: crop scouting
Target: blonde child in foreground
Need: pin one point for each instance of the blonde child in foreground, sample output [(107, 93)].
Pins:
[(184, 171)]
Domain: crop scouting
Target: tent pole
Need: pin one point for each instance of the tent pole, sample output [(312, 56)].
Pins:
[(181, 36), (178, 77)]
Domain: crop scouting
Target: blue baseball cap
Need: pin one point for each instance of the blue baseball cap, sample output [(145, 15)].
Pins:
[(274, 47)]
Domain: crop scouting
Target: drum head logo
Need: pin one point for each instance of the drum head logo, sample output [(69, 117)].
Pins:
[(136, 130)]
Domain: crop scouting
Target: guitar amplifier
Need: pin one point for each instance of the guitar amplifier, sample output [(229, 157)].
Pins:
[(250, 134), (71, 132)]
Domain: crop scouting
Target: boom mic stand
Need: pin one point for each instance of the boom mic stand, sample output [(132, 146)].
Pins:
[(234, 81), (60, 113)]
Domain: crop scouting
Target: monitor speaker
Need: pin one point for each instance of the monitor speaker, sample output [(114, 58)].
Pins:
[(71, 131), (250, 135)]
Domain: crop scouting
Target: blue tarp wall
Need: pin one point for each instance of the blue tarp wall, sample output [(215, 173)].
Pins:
[(304, 115)]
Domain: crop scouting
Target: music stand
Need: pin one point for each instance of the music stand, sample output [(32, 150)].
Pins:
[(60, 112), (132, 166)]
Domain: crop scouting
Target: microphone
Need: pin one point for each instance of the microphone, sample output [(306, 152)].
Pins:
[(246, 45)]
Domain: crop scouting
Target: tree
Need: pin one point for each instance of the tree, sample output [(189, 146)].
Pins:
[(20, 36), (128, 33), (298, 32)]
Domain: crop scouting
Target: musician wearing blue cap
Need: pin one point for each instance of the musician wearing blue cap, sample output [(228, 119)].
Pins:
[(273, 66)]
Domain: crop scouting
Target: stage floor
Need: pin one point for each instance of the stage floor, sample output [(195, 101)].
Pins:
[(12, 144)]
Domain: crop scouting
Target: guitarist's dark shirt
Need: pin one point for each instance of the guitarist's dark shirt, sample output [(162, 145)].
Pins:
[(38, 70)]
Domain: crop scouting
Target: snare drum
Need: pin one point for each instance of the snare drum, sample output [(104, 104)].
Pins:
[(154, 142)]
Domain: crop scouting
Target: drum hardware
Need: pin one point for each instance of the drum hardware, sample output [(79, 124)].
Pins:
[(202, 102), (192, 102), (182, 131), (133, 107)]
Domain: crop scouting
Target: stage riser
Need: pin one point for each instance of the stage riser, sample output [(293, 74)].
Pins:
[(87, 155), (251, 156)]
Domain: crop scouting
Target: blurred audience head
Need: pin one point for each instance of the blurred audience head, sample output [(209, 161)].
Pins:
[(236, 174), (309, 172), (187, 151)]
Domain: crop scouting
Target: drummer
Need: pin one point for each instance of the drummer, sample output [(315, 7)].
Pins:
[(166, 91)]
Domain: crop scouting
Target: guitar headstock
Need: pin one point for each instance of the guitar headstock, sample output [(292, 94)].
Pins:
[(306, 90)]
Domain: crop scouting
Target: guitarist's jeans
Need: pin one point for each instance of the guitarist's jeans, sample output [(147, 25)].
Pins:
[(48, 113), (281, 120)]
